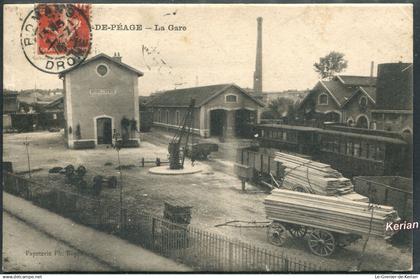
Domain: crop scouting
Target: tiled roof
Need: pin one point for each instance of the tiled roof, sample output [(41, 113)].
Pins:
[(103, 55), (182, 97), (356, 80), (342, 87), (371, 91), (340, 93), (55, 103)]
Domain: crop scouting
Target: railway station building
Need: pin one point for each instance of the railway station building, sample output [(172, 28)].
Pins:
[(100, 98), (221, 110)]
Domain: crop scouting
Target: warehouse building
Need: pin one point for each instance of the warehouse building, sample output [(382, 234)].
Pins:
[(394, 107), (222, 110), (101, 98)]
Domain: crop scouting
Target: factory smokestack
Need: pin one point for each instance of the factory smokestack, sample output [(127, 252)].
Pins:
[(258, 61)]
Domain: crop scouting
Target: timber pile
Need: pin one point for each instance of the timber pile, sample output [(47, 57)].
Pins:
[(329, 213), (315, 177)]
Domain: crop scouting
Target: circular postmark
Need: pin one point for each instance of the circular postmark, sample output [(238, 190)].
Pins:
[(56, 37)]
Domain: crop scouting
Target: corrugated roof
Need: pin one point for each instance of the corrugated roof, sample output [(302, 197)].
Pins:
[(293, 127), (182, 97), (348, 134), (364, 136), (356, 80), (103, 55)]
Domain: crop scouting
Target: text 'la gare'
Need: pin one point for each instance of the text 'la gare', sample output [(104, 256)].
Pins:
[(170, 27)]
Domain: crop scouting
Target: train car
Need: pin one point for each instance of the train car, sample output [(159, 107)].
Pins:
[(351, 151), (260, 163), (356, 154), (298, 139)]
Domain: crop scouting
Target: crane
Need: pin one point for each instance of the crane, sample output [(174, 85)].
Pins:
[(181, 138)]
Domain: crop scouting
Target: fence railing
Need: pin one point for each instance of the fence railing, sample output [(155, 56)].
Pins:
[(201, 250)]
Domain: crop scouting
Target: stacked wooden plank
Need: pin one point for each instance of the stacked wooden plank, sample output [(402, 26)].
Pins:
[(315, 177), (329, 213)]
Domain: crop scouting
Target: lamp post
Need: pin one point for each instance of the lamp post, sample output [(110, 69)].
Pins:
[(117, 146), (26, 143)]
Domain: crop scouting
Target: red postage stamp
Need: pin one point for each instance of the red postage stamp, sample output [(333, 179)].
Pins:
[(62, 29), (56, 37)]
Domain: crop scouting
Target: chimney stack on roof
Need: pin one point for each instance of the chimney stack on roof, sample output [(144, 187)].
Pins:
[(117, 57), (372, 80)]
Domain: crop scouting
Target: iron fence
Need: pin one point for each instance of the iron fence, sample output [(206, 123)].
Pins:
[(199, 249)]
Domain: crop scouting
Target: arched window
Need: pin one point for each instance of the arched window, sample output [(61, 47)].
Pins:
[(323, 99), (350, 121), (332, 116), (362, 122), (363, 101), (231, 98)]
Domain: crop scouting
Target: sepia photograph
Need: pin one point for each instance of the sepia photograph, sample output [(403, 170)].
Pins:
[(207, 138)]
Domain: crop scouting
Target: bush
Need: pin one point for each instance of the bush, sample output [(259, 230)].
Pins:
[(85, 144)]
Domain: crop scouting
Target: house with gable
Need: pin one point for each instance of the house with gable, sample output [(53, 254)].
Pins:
[(343, 99), (100, 101)]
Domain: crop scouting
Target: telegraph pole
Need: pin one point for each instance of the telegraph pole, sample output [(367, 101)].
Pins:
[(26, 143), (117, 147)]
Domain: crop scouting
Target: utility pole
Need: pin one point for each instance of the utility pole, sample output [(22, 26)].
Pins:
[(26, 143), (117, 146)]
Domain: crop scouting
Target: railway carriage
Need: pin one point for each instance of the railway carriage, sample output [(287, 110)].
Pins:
[(299, 139), (362, 154), (351, 151)]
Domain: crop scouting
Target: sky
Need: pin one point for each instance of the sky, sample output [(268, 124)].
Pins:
[(219, 44)]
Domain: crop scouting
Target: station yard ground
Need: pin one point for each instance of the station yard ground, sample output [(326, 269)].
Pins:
[(27, 249), (38, 240), (214, 194)]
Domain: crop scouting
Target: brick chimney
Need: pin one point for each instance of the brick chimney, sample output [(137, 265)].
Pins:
[(117, 57), (258, 60)]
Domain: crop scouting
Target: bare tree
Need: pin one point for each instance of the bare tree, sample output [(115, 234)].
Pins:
[(330, 65)]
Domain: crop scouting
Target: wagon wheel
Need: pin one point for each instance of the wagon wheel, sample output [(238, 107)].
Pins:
[(276, 234), (297, 231), (69, 170), (81, 171), (321, 242)]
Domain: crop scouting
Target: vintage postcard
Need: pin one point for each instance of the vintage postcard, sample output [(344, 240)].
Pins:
[(207, 138)]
